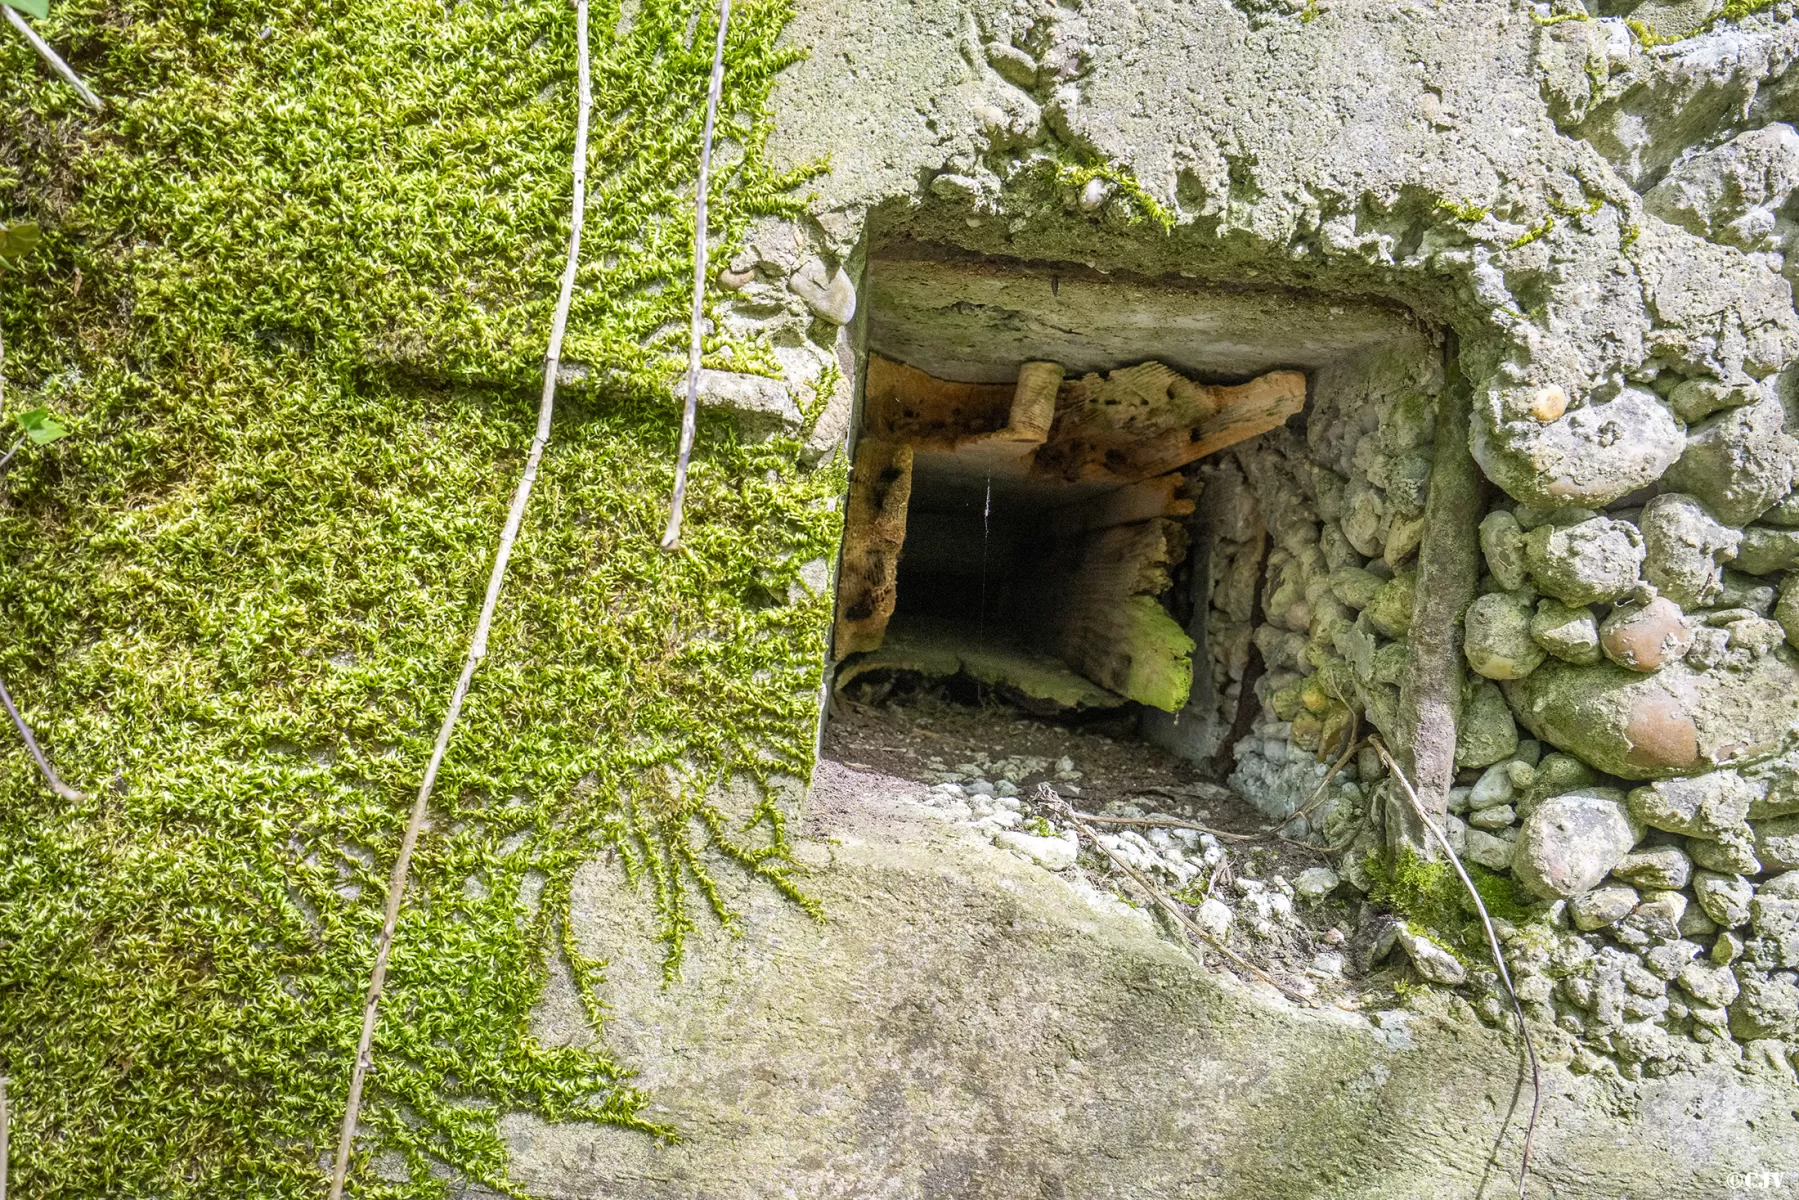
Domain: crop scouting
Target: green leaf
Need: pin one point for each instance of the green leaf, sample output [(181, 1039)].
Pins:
[(40, 426), (18, 239), (37, 8)]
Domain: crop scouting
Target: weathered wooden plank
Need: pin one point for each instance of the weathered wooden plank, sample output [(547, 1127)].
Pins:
[(902, 403), (1148, 420), (1164, 496), (874, 532), (1105, 621)]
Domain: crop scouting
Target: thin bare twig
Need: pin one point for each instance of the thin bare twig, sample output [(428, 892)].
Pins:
[(5, 1137), (43, 764), (1530, 1048), (54, 59), (396, 888), (671, 536), (1168, 905), (1318, 794)]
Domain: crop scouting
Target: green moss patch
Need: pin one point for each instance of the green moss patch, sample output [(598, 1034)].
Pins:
[(1429, 893), (292, 299)]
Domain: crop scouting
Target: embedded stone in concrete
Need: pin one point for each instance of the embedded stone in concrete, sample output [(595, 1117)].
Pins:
[(1730, 193), (1572, 841), (1390, 611), (1774, 916), (1713, 986), (758, 405), (1592, 562), (1704, 806), (1685, 549), (1696, 399), (1725, 898), (1355, 587), (1655, 867), (1731, 854), (1502, 545), (1603, 906), (1496, 636), (1786, 608), (1658, 915), (1766, 549), (1591, 455), (1431, 961), (1737, 462), (1490, 851), (1646, 637), (827, 291), (1678, 721), (1487, 732), (1570, 632), (1767, 1008), (1777, 843)]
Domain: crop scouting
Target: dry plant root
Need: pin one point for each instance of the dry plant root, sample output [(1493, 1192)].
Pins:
[(1530, 1048)]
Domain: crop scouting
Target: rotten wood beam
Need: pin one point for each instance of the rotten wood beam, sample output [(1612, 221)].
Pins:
[(1106, 622), (874, 532), (1148, 420)]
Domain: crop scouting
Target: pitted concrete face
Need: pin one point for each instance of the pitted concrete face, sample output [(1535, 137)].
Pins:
[(1589, 238)]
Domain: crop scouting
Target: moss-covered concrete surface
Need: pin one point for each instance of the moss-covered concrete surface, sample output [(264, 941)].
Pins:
[(969, 1025)]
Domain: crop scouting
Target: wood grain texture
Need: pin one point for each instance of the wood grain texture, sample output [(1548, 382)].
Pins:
[(1147, 420), (874, 532)]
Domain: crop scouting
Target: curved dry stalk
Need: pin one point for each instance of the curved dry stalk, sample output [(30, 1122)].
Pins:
[(1318, 793), (671, 536), (1530, 1047), (396, 888), (54, 59), (43, 764), (1167, 904)]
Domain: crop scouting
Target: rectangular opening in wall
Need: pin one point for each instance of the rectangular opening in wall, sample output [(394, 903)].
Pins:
[(1029, 518)]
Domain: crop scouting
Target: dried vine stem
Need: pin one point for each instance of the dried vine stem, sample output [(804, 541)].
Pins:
[(56, 64), (396, 888), (5, 1137), (43, 764), (37, 755), (671, 536), (1530, 1048), (1168, 905)]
